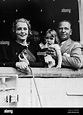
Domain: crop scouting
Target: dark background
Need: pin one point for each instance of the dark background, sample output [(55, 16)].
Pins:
[(43, 14)]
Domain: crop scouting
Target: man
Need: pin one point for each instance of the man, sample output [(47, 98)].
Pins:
[(71, 50)]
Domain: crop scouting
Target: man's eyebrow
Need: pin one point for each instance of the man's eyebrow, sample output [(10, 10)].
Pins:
[(64, 27)]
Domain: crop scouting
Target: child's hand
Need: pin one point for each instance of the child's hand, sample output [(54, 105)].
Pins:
[(58, 66), (51, 64), (48, 58), (50, 61)]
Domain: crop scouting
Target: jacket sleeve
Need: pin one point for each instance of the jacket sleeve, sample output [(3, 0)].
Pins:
[(74, 61), (37, 64), (7, 64)]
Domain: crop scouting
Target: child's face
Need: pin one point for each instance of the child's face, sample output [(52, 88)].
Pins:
[(21, 31), (49, 39)]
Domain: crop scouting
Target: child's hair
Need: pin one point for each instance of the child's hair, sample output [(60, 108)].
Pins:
[(53, 33), (21, 20)]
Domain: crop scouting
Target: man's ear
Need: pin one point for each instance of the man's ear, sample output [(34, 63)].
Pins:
[(71, 32)]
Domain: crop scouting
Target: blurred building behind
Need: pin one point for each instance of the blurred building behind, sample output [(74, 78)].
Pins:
[(43, 14)]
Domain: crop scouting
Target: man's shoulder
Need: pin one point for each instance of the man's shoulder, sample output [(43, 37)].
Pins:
[(73, 44), (76, 44)]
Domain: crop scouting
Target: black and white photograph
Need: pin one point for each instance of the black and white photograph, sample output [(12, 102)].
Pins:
[(41, 54)]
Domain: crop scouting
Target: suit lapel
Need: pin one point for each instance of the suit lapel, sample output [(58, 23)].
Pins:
[(66, 46)]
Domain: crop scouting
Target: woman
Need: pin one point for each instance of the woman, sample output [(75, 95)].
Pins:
[(19, 47)]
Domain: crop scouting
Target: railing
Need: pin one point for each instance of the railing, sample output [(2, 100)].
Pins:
[(44, 87)]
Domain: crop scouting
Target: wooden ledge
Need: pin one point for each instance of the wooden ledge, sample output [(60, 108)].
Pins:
[(58, 73), (43, 72)]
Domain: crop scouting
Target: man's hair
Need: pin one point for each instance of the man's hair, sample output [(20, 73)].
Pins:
[(21, 20), (65, 21)]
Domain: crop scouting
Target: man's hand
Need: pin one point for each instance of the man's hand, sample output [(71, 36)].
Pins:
[(65, 54)]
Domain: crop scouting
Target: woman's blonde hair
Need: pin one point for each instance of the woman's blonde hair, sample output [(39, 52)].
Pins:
[(21, 20)]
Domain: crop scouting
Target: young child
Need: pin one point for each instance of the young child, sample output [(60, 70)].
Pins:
[(51, 49)]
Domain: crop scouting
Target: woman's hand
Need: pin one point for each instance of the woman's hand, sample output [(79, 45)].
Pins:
[(22, 65)]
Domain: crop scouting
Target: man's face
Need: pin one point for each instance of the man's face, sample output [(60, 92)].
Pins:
[(64, 31), (21, 30)]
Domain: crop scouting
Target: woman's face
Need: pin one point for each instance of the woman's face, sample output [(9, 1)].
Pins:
[(21, 31)]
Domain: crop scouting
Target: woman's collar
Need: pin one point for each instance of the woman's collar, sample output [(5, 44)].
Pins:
[(26, 44)]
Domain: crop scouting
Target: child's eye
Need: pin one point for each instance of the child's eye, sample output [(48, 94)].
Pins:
[(19, 28), (46, 38), (51, 38)]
